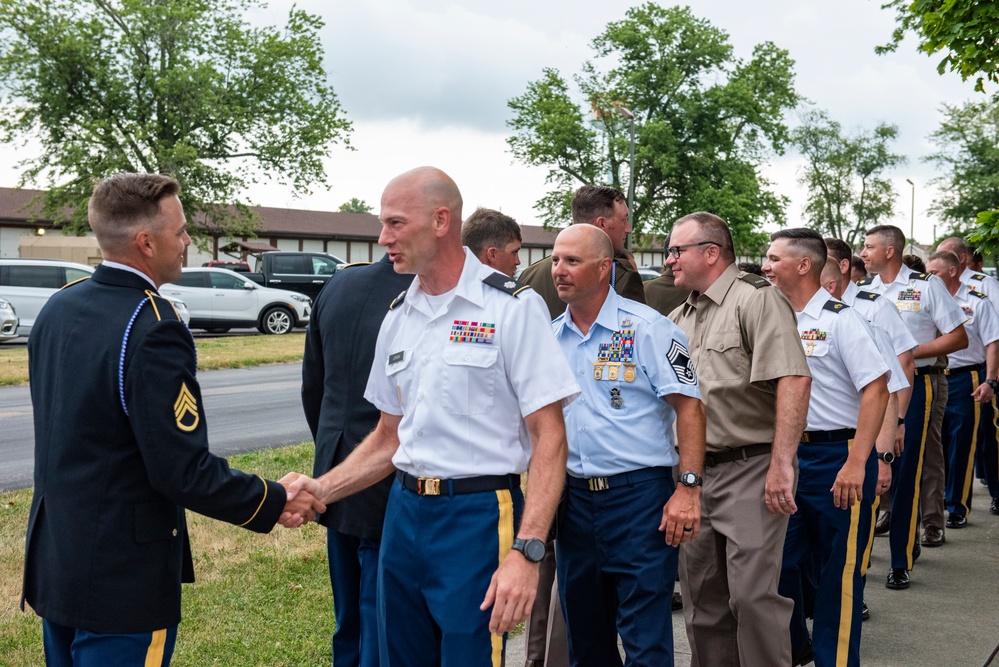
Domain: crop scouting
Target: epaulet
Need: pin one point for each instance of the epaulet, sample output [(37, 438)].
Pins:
[(976, 293), (75, 282), (161, 305), (865, 281), (755, 280), (505, 283), (347, 266), (920, 276), (834, 305), (399, 299), (978, 276), (869, 296)]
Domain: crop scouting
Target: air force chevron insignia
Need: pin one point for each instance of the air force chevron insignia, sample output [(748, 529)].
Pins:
[(679, 359), (185, 410)]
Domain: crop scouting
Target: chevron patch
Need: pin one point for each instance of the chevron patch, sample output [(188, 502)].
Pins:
[(185, 410)]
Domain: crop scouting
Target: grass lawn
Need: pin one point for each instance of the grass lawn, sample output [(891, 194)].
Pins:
[(213, 354), (258, 600)]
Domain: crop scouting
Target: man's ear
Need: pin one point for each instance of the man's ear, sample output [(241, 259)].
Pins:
[(144, 242), (442, 221)]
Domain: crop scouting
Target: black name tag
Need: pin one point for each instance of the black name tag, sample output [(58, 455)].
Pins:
[(396, 357)]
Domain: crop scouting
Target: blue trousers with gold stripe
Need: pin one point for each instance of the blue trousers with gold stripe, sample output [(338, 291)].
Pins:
[(987, 454), (960, 439), (840, 539), (907, 471), (72, 647), (437, 557)]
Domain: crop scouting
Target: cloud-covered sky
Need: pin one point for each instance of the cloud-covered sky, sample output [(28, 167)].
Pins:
[(427, 81)]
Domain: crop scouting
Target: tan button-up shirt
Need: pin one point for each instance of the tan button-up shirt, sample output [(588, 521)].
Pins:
[(743, 337)]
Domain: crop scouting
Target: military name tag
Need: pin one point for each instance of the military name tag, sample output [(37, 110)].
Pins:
[(396, 357)]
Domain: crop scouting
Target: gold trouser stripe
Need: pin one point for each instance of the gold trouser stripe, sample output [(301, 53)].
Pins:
[(969, 471), (870, 536), (914, 514), (846, 587), (505, 530), (262, 500), (154, 654)]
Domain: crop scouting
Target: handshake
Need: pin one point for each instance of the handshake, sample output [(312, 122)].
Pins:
[(302, 504)]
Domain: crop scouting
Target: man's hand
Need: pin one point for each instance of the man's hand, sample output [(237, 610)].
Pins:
[(511, 592), (301, 505), (779, 490), (849, 485), (983, 394), (884, 477), (899, 440), (682, 516)]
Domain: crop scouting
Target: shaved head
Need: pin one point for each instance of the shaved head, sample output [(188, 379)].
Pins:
[(434, 188), (591, 239)]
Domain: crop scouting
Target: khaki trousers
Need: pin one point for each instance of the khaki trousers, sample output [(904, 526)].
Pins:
[(934, 479)]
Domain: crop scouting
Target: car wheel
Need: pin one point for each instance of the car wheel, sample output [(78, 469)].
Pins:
[(218, 330), (276, 320)]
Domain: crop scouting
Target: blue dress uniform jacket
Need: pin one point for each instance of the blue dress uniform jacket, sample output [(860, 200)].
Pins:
[(107, 544), (339, 349)]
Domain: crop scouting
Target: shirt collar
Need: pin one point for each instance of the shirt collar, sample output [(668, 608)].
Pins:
[(606, 318), (131, 269), (814, 306), (470, 286), (720, 287), (902, 278), (850, 293)]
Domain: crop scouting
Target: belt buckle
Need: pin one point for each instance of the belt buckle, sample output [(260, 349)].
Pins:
[(428, 486), (598, 483), (946, 371)]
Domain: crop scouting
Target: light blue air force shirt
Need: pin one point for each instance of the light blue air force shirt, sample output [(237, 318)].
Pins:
[(629, 361)]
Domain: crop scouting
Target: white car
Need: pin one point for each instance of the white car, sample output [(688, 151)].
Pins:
[(28, 283), (219, 299), (8, 321)]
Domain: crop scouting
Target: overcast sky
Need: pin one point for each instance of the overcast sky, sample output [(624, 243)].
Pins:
[(427, 81)]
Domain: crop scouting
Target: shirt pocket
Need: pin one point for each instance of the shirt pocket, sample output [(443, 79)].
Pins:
[(395, 370), (722, 357), (469, 381)]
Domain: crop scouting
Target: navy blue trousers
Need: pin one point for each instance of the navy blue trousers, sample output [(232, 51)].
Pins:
[(961, 428), (437, 558), (354, 579), (907, 472), (836, 542), (987, 454), (616, 574), (72, 647)]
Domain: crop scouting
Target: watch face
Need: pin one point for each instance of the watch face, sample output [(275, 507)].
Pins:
[(534, 550), (689, 479), (887, 457)]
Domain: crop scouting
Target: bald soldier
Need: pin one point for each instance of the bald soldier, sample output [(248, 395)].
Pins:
[(470, 383), (605, 208)]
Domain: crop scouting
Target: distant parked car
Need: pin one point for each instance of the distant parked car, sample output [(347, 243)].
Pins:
[(232, 265), (8, 321), (28, 283), (304, 272), (219, 300), (648, 273)]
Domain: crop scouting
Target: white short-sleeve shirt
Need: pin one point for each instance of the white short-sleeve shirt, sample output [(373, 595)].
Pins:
[(882, 313), (464, 377), (843, 358), (982, 327)]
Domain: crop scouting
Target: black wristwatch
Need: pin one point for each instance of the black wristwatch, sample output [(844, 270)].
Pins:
[(993, 383), (533, 549), (887, 457), (691, 479)]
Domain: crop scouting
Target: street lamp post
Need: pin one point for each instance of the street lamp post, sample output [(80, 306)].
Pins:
[(631, 179), (912, 218)]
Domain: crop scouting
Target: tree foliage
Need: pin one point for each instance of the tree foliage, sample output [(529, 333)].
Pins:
[(967, 154), (182, 87), (845, 175), (965, 30), (704, 121), (355, 205)]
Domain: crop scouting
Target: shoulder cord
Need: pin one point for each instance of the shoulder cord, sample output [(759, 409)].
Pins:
[(121, 356)]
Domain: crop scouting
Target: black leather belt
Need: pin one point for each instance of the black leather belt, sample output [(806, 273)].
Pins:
[(435, 486), (711, 459), (964, 369), (618, 480), (932, 370), (829, 436)]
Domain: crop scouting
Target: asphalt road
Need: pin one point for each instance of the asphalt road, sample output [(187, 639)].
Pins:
[(248, 409)]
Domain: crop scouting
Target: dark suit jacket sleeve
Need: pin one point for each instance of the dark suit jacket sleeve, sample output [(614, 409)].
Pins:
[(167, 415), (313, 372)]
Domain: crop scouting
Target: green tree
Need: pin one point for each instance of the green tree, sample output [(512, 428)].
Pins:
[(182, 87), (967, 154), (847, 189), (355, 205), (965, 30), (704, 122)]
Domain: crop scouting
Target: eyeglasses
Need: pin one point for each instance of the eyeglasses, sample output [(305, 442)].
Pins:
[(677, 249)]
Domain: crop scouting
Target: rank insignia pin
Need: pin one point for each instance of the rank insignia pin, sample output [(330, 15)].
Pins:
[(625, 323)]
